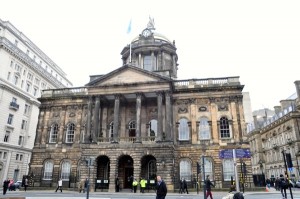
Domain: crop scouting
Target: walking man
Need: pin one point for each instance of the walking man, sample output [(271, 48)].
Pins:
[(161, 188), (208, 185), (59, 185)]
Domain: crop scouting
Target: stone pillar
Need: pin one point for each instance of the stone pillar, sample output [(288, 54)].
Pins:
[(174, 70), (112, 175), (116, 118), (62, 125), (169, 133), (88, 122), (297, 84), (140, 61), (96, 120), (40, 126), (159, 116), (46, 128), (153, 61), (138, 117), (137, 170)]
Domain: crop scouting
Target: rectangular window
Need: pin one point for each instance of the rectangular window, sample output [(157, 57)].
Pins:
[(0, 154), (22, 83), (21, 139), (29, 76), (28, 87), (21, 157), (10, 119), (24, 124), (17, 156), (24, 72), (37, 81), (4, 155), (14, 100), (27, 52), (16, 80), (26, 110), (35, 90), (11, 63), (6, 136), (8, 76)]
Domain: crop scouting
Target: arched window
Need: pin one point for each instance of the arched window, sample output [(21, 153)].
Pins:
[(132, 128), (228, 169), (53, 133), (183, 129), (70, 133), (48, 170), (224, 128), (151, 169), (208, 162), (204, 130), (153, 128), (65, 170), (185, 169)]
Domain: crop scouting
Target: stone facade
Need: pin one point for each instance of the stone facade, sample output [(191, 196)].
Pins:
[(139, 121), (277, 135)]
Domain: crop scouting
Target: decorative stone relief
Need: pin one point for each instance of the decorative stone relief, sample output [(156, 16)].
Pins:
[(182, 109), (153, 112), (222, 107), (202, 109), (185, 101)]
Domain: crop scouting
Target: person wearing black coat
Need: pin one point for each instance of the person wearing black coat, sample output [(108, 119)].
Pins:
[(283, 186), (208, 185), (5, 186), (161, 188)]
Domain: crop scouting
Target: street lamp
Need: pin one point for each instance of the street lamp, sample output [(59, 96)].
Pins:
[(261, 166), (89, 163)]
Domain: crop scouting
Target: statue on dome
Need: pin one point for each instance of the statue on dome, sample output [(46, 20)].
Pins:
[(151, 24)]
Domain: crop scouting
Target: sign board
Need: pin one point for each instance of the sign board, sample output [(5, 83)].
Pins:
[(290, 169), (240, 153), (105, 181), (98, 181)]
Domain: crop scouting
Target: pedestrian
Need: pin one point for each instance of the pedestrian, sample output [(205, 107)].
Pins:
[(85, 185), (25, 184), (134, 185), (208, 185), (117, 184), (59, 185), (181, 189), (277, 183), (283, 186), (185, 186), (161, 188), (80, 186), (143, 183), (268, 182), (5, 186)]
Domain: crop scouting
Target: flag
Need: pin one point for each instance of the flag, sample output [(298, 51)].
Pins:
[(129, 27)]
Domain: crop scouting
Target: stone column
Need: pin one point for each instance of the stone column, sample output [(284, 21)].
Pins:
[(169, 133), (153, 61), (40, 126), (297, 84), (46, 128), (140, 60), (112, 175), (116, 118), (63, 127), (159, 116), (174, 69), (88, 122), (96, 120), (138, 117)]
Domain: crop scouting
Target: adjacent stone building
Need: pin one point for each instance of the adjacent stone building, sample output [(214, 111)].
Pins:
[(274, 136), (25, 72), (139, 121)]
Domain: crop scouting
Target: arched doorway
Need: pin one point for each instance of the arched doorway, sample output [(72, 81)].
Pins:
[(125, 171), (103, 169), (149, 169)]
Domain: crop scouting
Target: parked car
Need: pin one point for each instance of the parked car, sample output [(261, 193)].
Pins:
[(297, 184)]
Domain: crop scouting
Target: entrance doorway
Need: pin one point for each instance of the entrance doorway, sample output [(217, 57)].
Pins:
[(125, 171)]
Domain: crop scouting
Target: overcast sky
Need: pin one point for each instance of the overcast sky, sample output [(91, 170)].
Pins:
[(258, 40)]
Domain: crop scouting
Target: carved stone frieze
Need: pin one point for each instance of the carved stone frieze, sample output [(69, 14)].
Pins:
[(222, 107), (182, 109), (185, 101), (202, 108), (202, 101)]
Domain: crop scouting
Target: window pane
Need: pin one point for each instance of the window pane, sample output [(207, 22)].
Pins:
[(185, 170), (204, 131), (228, 169), (48, 168), (224, 128), (65, 170), (183, 129), (70, 133), (148, 63)]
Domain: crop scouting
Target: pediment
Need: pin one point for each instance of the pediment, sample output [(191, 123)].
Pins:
[(127, 75)]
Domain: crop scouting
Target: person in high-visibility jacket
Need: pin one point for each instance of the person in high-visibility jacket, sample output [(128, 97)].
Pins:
[(134, 185), (143, 183)]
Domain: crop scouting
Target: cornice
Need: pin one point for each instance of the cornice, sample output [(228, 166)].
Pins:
[(9, 47)]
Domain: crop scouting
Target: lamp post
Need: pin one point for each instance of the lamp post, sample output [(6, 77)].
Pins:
[(89, 163), (262, 179)]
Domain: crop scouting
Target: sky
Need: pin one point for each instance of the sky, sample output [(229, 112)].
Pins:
[(257, 40)]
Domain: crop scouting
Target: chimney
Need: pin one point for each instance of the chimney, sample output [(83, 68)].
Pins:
[(277, 109), (297, 84), (255, 121)]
